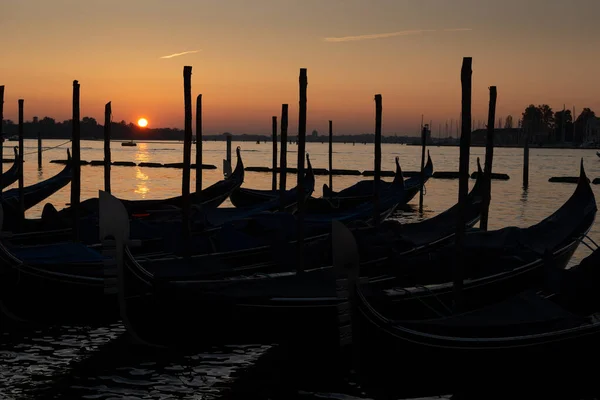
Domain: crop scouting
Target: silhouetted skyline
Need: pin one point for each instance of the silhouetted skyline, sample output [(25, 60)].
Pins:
[(246, 59)]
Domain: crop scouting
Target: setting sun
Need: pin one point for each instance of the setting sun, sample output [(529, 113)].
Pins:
[(142, 122)]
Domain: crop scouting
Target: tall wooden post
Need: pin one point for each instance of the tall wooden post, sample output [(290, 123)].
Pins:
[(422, 173), (463, 171), (107, 158), (199, 143), (377, 168), (1, 132), (76, 160), (303, 81), (527, 130), (274, 155), (283, 156), (489, 156), (20, 163), (228, 150), (39, 143), (331, 157), (187, 157)]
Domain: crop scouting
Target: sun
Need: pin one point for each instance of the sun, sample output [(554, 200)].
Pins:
[(143, 122)]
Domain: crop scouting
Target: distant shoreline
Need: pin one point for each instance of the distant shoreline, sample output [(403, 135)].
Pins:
[(220, 138)]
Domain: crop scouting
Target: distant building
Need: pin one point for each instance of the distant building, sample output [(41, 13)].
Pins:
[(502, 137)]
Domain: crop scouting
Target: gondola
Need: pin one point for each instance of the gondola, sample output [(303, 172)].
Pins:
[(520, 342), (245, 198), (33, 195), (210, 197), (12, 174), (153, 303), (59, 282), (365, 188), (56, 265), (495, 263), (162, 209)]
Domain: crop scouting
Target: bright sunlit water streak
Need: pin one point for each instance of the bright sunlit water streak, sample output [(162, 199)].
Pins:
[(25, 367)]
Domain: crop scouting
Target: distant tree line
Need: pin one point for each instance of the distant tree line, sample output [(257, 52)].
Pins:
[(49, 128), (556, 127)]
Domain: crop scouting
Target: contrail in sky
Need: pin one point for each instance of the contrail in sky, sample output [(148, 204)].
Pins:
[(180, 54), (389, 34)]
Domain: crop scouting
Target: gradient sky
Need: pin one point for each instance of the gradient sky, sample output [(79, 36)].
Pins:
[(248, 54)]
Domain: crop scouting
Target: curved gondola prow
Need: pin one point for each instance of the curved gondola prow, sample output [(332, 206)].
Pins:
[(114, 232), (12, 174), (399, 174), (238, 172), (309, 177)]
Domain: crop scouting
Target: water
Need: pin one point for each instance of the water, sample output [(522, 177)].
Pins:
[(83, 362)]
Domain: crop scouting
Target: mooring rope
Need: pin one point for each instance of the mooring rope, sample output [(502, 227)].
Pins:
[(48, 148)]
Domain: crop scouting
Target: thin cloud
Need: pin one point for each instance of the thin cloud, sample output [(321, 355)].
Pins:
[(180, 54), (388, 35), (376, 36), (458, 30)]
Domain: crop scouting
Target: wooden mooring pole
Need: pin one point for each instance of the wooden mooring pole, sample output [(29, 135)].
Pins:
[(274, 155), (20, 163), (283, 156), (187, 158), (107, 160), (303, 82), (489, 156), (76, 160), (228, 155), (1, 132), (39, 140), (330, 158), (199, 143), (527, 131), (463, 179), (377, 166), (422, 173)]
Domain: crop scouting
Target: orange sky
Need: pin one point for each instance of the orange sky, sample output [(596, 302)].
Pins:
[(248, 56)]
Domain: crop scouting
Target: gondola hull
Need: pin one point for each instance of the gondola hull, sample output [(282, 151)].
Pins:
[(55, 294), (432, 366)]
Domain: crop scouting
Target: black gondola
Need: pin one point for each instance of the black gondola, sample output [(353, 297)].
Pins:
[(11, 175), (517, 342), (364, 188), (72, 270), (496, 263), (33, 195), (245, 198)]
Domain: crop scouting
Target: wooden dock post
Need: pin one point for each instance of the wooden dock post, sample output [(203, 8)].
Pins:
[(107, 129), (463, 179), (283, 156), (228, 151), (422, 173), (303, 81), (274, 166), (527, 130), (1, 132), (187, 158), (377, 169), (489, 156), (20, 163), (330, 158), (199, 143), (39, 140), (76, 160)]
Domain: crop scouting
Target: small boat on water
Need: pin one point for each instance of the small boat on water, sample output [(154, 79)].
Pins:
[(130, 143)]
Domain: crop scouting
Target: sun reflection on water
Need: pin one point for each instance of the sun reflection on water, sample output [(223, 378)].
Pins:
[(142, 155)]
